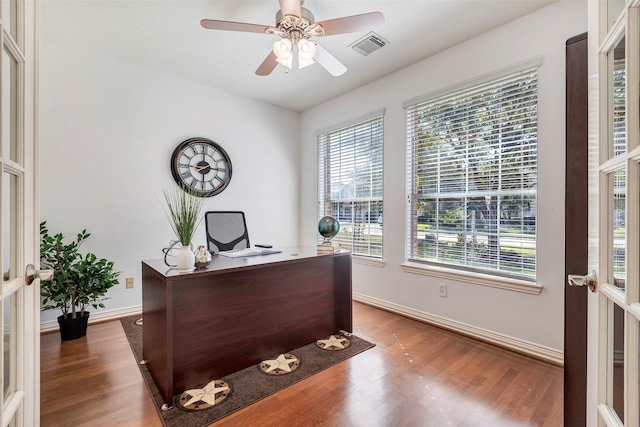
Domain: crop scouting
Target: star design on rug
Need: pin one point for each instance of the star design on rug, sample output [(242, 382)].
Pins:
[(283, 364), (334, 342), (205, 394)]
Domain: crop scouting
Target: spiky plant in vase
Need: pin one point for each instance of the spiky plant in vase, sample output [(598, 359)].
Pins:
[(184, 211)]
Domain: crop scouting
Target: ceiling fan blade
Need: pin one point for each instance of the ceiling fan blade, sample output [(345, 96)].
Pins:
[(268, 65), (328, 61), (352, 24), (290, 7), (213, 24)]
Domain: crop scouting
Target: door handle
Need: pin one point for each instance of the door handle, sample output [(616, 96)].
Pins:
[(590, 280), (31, 274)]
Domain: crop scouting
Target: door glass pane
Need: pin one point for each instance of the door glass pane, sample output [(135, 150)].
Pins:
[(9, 16), (9, 106), (619, 229), (9, 348), (8, 200), (614, 8), (616, 359), (618, 120)]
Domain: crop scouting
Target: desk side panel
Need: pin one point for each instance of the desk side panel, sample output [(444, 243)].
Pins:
[(343, 292), (156, 331)]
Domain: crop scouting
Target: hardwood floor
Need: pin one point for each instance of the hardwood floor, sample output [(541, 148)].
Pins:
[(93, 381), (417, 375)]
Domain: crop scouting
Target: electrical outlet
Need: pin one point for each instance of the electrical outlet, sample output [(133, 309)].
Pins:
[(129, 282), (442, 290)]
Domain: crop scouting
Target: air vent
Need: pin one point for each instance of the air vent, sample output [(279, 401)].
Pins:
[(369, 43)]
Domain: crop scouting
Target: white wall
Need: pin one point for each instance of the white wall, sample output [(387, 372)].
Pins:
[(107, 132), (536, 319)]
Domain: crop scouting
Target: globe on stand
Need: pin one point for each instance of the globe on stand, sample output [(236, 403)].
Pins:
[(328, 227)]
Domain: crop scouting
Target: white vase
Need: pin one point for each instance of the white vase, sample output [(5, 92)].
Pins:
[(185, 260)]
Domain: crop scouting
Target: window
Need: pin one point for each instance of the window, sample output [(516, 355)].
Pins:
[(472, 176), (350, 179)]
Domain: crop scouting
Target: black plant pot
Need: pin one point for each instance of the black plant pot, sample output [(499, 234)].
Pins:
[(71, 329)]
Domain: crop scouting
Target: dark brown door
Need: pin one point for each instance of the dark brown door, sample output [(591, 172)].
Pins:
[(576, 229)]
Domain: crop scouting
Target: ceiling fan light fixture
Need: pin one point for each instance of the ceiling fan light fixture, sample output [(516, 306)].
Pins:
[(302, 63), (283, 48), (284, 52), (288, 63), (306, 52)]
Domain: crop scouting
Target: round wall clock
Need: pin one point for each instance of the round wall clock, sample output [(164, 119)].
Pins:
[(201, 166)]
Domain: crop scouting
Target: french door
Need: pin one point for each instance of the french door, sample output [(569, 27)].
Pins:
[(19, 303), (614, 326)]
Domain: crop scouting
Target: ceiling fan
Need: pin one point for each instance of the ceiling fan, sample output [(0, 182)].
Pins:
[(296, 26)]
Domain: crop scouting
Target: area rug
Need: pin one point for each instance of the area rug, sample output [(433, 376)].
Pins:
[(221, 397)]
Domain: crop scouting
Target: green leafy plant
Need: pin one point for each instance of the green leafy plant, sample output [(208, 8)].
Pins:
[(78, 281), (184, 209)]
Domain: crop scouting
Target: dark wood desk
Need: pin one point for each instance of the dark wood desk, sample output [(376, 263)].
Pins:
[(203, 325)]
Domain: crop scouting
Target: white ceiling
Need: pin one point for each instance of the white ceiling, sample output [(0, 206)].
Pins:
[(166, 35)]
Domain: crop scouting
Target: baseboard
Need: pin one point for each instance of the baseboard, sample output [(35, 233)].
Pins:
[(530, 349), (98, 316)]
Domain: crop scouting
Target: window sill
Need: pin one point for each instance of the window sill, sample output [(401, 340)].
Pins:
[(473, 278), (368, 261)]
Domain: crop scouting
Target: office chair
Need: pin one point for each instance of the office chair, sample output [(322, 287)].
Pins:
[(226, 230)]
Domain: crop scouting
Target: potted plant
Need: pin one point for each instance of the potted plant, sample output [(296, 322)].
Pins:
[(78, 281), (184, 214)]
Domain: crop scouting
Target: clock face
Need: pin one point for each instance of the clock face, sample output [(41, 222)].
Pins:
[(201, 166)]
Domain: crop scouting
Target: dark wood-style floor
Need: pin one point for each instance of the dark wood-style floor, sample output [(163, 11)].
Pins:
[(417, 375)]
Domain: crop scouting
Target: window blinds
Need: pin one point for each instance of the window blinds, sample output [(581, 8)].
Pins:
[(472, 177), (350, 177)]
